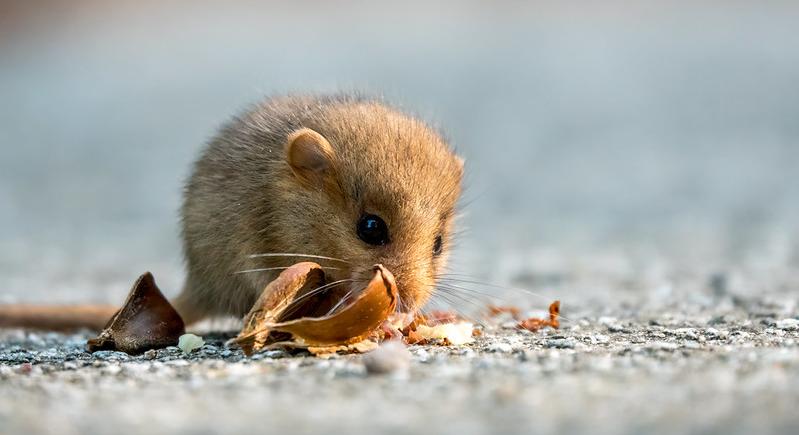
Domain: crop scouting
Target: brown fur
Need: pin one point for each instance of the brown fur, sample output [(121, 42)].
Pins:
[(244, 198)]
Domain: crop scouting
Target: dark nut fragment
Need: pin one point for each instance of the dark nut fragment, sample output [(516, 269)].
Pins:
[(146, 321)]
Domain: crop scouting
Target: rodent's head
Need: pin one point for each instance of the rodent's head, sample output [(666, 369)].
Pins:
[(367, 184)]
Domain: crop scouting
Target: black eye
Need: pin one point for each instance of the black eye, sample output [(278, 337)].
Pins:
[(438, 245), (373, 230)]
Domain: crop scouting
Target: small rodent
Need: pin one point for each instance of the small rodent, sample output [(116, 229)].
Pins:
[(342, 180), (338, 176)]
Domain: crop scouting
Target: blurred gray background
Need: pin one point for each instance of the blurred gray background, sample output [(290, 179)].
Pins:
[(641, 140)]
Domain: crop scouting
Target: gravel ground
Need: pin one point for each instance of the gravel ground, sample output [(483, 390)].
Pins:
[(730, 366), (636, 161)]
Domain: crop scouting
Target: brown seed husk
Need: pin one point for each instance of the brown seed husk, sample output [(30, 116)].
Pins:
[(146, 321), (533, 324), (280, 300), (354, 322), (351, 324)]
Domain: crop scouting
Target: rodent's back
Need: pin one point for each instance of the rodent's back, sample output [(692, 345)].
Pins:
[(242, 198)]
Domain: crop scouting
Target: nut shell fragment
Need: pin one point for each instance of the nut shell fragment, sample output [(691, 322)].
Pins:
[(293, 294), (533, 324), (283, 298), (354, 322), (146, 321), (351, 324)]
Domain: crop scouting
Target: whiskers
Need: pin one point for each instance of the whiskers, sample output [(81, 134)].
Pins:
[(293, 255), (341, 302), (267, 269), (457, 290), (442, 300), (462, 294), (289, 256), (296, 303), (455, 278)]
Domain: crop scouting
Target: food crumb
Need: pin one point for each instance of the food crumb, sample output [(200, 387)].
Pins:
[(455, 334), (190, 342)]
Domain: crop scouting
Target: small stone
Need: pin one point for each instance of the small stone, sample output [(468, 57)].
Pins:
[(776, 332), (787, 324), (740, 335), (500, 348), (275, 354), (616, 328), (151, 354), (110, 355), (599, 339), (561, 343), (422, 354), (391, 357), (686, 333), (462, 351)]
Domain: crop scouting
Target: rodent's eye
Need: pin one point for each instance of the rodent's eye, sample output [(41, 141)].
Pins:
[(438, 246), (373, 230)]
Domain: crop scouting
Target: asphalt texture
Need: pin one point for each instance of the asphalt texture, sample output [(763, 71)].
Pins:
[(637, 162), (730, 366)]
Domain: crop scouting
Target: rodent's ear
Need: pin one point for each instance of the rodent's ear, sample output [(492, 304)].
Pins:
[(309, 155)]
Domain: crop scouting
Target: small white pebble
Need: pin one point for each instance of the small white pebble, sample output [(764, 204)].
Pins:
[(190, 342)]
